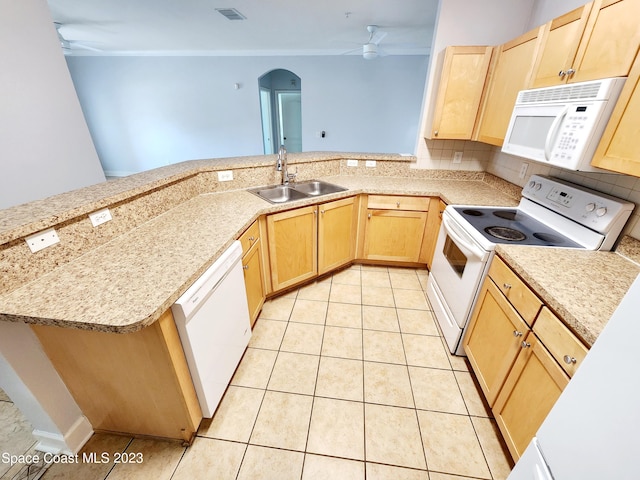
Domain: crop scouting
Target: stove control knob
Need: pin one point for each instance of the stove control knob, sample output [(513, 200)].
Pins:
[(601, 212), (531, 184), (590, 207), (537, 187)]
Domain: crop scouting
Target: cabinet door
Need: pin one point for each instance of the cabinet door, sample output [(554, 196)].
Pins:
[(337, 223), (293, 246), (252, 266), (394, 235), (492, 341), (533, 386), (559, 47), (434, 219), (464, 74), (610, 41), (619, 149), (512, 73)]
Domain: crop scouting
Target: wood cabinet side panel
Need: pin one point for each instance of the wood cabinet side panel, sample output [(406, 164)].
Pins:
[(126, 382)]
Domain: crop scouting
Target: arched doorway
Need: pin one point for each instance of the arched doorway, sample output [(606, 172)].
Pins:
[(281, 110)]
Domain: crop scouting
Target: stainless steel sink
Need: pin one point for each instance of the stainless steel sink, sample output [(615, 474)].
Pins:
[(295, 191), (278, 193), (317, 187)]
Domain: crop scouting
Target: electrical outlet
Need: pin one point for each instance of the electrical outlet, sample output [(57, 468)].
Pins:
[(457, 157), (352, 163), (523, 170), (370, 163), (100, 217), (225, 175), (42, 240)]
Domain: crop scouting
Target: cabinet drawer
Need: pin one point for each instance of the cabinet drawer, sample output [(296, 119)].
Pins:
[(523, 299), (249, 237), (398, 202), (561, 343)]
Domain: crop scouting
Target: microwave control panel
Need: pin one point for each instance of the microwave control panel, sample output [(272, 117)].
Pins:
[(574, 132)]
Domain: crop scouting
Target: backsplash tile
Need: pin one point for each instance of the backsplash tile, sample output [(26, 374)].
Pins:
[(438, 154)]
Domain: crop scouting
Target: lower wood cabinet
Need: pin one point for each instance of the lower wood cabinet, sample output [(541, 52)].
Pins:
[(394, 228), (337, 232), (522, 354), (134, 383), (252, 266)]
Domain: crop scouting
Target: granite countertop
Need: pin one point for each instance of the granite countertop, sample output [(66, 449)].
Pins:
[(127, 283), (583, 287)]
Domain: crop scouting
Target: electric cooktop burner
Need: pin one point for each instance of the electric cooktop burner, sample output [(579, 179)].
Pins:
[(512, 226)]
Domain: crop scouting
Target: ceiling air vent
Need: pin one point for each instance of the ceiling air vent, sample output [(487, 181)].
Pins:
[(231, 13)]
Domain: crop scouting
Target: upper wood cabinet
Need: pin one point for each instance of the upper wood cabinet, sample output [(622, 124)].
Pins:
[(598, 40), (464, 73), (512, 72), (619, 149)]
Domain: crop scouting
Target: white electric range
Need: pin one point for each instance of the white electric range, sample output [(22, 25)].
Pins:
[(551, 213)]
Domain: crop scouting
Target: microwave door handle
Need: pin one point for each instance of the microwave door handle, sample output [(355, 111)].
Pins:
[(551, 135), (467, 246)]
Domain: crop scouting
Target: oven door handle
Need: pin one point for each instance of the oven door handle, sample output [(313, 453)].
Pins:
[(551, 135), (463, 241)]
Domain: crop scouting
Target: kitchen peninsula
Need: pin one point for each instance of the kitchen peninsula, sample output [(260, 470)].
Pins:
[(102, 296)]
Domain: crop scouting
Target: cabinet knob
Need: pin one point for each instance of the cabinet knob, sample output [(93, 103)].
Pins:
[(369, 216), (568, 359), (435, 133), (571, 71), (506, 286), (562, 73), (525, 344), (516, 333), (398, 204), (322, 212), (245, 267)]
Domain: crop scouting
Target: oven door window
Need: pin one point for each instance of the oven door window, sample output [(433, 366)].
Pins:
[(454, 256)]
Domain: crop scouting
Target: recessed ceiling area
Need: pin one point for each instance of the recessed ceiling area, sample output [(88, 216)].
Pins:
[(281, 27)]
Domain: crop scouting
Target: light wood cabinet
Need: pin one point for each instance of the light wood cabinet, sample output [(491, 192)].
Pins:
[(434, 219), (464, 73), (394, 228), (522, 354), (513, 72), (619, 149), (293, 246), (534, 384), (493, 339), (252, 265), (337, 231), (135, 383), (598, 40)]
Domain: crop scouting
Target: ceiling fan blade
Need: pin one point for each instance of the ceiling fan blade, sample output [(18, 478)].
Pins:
[(377, 37)]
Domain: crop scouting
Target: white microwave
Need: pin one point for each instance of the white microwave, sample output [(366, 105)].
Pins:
[(562, 126)]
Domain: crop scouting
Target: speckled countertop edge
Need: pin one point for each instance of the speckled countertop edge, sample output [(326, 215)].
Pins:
[(21, 220), (582, 287), (129, 282)]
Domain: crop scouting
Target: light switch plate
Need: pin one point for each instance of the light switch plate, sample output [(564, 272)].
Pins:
[(225, 175), (41, 240), (457, 157), (100, 217), (352, 163)]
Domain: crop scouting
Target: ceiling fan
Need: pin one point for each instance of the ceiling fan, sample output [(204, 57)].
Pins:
[(69, 44), (371, 49)]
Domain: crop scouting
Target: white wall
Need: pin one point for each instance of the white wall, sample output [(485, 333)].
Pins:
[(45, 144), (145, 112)]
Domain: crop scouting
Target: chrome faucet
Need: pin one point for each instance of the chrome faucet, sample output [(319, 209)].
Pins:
[(281, 166)]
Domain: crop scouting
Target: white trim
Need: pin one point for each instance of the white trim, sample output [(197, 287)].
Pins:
[(67, 444), (389, 51), (118, 173)]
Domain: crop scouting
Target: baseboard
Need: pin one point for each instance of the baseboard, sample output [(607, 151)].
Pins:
[(68, 444)]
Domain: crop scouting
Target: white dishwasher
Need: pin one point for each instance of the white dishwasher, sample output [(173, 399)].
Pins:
[(213, 321)]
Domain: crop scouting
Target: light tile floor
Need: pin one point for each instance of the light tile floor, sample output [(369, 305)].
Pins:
[(345, 378)]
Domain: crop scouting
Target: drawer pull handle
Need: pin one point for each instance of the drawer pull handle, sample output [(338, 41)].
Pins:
[(525, 344), (506, 286), (568, 359), (516, 333)]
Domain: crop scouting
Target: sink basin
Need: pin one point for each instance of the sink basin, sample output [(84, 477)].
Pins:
[(295, 191), (278, 193), (316, 187)]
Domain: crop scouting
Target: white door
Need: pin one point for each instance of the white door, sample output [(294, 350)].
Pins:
[(290, 120), (267, 127)]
